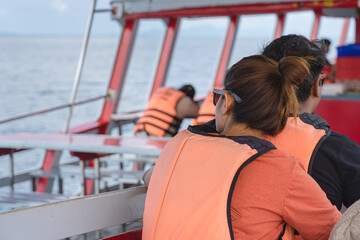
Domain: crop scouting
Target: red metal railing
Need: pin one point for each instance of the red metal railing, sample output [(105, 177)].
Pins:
[(279, 26), (165, 57), (227, 49)]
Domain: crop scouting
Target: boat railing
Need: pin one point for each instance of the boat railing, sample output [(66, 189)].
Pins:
[(75, 216), (50, 109)]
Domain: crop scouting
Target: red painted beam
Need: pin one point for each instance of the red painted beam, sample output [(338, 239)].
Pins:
[(131, 235), (227, 49), (344, 31), (316, 25), (47, 164), (119, 70), (165, 57), (357, 30), (244, 9), (279, 26), (342, 115), (330, 4)]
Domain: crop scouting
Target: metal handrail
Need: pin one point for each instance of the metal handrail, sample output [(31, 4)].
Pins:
[(80, 65), (51, 109), (102, 10)]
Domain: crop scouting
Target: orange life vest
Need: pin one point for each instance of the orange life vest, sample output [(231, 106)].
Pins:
[(190, 191), (302, 140), (207, 110), (327, 71), (160, 114)]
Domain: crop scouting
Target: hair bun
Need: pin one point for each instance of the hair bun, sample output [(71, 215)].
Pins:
[(293, 69)]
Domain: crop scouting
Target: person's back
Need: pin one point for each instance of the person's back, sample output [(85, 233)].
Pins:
[(165, 111), (334, 159), (226, 182)]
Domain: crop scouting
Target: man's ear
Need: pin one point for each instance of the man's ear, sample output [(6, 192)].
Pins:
[(228, 103), (316, 89)]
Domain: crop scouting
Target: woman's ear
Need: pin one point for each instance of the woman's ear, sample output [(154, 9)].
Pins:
[(228, 103), (316, 89)]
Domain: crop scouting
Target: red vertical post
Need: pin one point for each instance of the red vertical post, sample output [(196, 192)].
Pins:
[(357, 30), (165, 56), (316, 25), (51, 158), (119, 70), (344, 31), (227, 49), (279, 26)]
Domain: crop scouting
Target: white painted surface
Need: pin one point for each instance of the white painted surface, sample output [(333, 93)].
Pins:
[(129, 7), (91, 143), (72, 217)]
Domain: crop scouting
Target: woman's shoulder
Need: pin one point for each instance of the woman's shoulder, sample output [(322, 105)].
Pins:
[(281, 160)]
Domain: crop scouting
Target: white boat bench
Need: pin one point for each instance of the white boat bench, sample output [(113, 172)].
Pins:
[(120, 177), (30, 198), (86, 147), (74, 217), (121, 119)]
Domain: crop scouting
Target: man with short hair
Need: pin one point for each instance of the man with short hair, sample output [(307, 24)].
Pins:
[(165, 111), (331, 158)]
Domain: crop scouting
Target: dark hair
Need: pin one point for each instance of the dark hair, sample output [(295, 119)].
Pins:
[(296, 45), (267, 89), (326, 41), (189, 90)]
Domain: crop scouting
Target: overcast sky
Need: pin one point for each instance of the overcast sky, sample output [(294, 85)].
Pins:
[(51, 17), (69, 17)]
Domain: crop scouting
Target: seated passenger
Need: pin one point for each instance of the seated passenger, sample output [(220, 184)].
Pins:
[(331, 158), (165, 111), (348, 227), (207, 109), (329, 69), (226, 181)]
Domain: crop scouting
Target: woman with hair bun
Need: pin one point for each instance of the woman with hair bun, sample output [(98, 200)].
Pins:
[(227, 182)]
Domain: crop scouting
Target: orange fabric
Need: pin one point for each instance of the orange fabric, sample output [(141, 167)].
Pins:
[(274, 189), (207, 110), (187, 196), (299, 139), (157, 122)]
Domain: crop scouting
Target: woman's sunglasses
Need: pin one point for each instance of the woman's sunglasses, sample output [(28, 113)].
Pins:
[(322, 78), (220, 92)]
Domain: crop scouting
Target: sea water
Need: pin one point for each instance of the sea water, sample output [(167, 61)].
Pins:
[(38, 73)]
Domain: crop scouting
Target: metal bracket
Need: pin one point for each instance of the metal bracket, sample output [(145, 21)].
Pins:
[(111, 95)]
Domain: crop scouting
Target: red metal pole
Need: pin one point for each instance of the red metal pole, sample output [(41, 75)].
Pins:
[(165, 57), (227, 49), (119, 70), (279, 26), (357, 30), (344, 31), (51, 156), (316, 25)]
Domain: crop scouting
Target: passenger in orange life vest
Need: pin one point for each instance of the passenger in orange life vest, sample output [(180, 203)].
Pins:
[(165, 111), (207, 109), (332, 159), (227, 182)]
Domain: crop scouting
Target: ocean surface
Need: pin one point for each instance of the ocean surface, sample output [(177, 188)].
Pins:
[(38, 73)]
